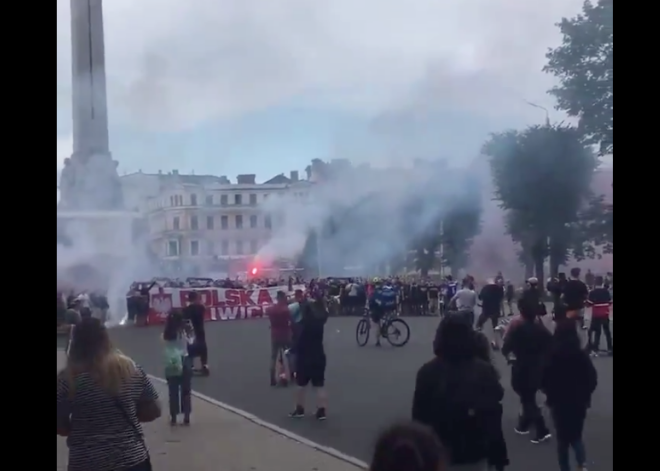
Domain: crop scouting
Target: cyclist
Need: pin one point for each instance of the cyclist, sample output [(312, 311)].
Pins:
[(382, 301)]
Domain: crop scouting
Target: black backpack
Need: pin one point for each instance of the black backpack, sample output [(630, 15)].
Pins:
[(464, 411)]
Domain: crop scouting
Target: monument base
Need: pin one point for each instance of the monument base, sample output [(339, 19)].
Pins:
[(96, 253)]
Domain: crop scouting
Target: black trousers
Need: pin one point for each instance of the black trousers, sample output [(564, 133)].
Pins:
[(599, 326), (531, 415)]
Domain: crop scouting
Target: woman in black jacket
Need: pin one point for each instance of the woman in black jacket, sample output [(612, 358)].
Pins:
[(569, 379), (459, 395)]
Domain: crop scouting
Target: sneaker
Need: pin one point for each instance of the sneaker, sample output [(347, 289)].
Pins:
[(173, 422), (298, 413), (186, 420), (594, 354), (521, 431), (205, 370), (541, 437), (320, 414)]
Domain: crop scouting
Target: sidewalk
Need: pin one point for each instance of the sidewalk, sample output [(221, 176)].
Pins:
[(219, 440)]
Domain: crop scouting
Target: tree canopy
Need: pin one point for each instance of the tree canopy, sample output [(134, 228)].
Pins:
[(387, 224), (542, 179), (584, 65)]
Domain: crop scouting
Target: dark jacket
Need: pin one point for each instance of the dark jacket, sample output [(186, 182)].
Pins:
[(461, 403), (530, 343), (569, 379)]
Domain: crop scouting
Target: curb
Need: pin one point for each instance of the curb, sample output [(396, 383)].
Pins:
[(274, 428)]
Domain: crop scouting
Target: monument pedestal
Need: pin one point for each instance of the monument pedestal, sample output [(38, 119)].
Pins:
[(99, 254)]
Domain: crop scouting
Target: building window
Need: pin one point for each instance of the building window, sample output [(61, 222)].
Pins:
[(239, 247), (224, 222), (253, 200), (209, 200), (194, 247), (253, 221), (176, 200), (254, 246), (172, 201), (224, 201), (172, 248), (194, 223), (224, 248), (193, 200), (239, 221), (238, 199), (209, 222), (268, 222), (176, 223)]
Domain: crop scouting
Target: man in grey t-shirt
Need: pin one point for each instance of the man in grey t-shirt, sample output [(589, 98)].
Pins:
[(465, 301)]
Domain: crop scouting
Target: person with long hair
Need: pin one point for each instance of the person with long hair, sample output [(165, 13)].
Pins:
[(102, 399), (569, 380), (459, 396), (408, 446), (178, 366)]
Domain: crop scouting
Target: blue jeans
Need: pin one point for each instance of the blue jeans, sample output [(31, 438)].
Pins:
[(179, 390), (563, 454), (569, 424)]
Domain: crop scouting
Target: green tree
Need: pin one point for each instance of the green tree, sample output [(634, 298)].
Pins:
[(459, 228), (584, 65), (542, 179), (596, 229)]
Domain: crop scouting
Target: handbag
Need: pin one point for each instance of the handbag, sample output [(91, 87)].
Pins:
[(138, 434)]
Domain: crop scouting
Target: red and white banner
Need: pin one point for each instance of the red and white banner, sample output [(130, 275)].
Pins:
[(221, 303)]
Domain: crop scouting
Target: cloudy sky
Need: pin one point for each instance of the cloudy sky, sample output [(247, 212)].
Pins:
[(264, 86)]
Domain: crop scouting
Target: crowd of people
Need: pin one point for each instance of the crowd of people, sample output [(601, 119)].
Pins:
[(457, 403)]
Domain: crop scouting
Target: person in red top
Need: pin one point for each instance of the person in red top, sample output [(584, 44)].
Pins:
[(600, 301), (280, 331)]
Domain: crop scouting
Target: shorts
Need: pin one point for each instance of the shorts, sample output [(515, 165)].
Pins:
[(310, 369)]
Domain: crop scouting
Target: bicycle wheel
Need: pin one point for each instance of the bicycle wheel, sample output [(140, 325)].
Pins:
[(397, 332), (362, 332)]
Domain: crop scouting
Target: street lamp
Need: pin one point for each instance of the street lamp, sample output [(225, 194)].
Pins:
[(547, 113)]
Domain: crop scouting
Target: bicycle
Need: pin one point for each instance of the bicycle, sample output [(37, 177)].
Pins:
[(391, 328)]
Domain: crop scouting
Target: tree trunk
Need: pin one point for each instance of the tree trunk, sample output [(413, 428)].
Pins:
[(539, 269), (555, 263)]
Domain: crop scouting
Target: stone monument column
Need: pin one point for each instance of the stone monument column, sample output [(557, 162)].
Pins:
[(91, 216), (89, 179)]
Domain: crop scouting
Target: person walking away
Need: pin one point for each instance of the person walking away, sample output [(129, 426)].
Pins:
[(600, 301), (178, 367), (310, 354), (194, 313), (509, 295), (569, 380), (529, 342), (589, 279), (451, 287), (459, 395), (102, 399), (408, 446), (574, 298), (498, 456), (465, 301), (491, 297), (280, 333)]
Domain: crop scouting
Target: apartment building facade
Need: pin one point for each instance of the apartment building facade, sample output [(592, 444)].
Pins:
[(198, 226)]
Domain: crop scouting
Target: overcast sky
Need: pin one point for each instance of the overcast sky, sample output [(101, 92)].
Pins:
[(264, 86)]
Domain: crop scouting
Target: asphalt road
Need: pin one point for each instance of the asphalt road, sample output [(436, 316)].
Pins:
[(368, 387)]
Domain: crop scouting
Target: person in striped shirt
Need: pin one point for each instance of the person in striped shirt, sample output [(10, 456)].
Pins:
[(102, 399)]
